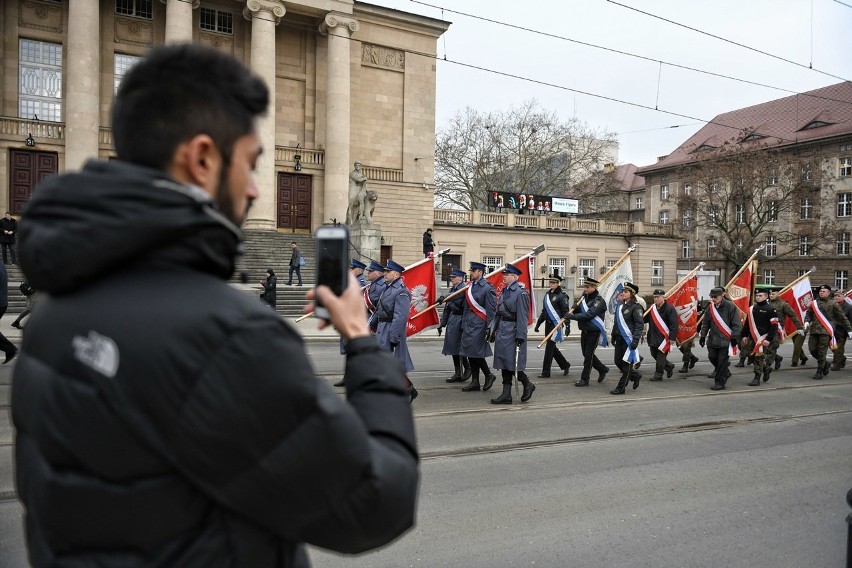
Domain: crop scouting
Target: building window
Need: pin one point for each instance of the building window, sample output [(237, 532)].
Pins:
[(713, 214), (40, 80), (685, 249), (771, 248), (845, 167), (843, 243), (687, 189), (740, 212), (664, 217), (804, 245), (806, 210), (137, 8), (772, 211), (844, 204), (638, 203), (664, 192), (586, 270), (556, 266), (492, 263), (806, 173), (846, 147), (711, 247), (769, 276), (656, 272), (841, 279), (772, 178), (801, 272), (122, 65), (687, 218), (217, 21)]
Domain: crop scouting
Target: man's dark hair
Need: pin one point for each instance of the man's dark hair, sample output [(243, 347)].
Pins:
[(178, 92)]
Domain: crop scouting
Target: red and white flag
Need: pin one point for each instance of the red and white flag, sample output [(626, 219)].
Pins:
[(799, 296), (526, 265), (740, 290), (420, 281), (685, 301)]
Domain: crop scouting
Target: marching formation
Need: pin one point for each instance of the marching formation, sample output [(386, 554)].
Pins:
[(743, 321)]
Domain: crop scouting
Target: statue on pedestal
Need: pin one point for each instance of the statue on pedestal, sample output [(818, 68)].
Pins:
[(361, 202)]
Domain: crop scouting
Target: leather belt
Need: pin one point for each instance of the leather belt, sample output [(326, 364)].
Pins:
[(385, 320)]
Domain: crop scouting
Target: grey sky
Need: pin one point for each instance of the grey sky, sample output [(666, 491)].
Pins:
[(783, 28)]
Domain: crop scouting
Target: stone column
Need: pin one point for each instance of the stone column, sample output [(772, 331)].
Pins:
[(179, 20), (82, 101), (264, 16), (339, 28)]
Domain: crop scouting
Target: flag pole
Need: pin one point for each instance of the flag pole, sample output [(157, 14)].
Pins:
[(797, 280), (612, 269), (680, 282), (409, 267), (743, 267), (534, 252)]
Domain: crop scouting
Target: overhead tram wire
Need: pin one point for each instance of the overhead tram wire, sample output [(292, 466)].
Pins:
[(726, 40), (629, 54)]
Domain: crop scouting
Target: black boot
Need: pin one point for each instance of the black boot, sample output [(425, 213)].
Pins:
[(473, 385), (778, 359), (489, 381), (692, 361), (529, 387), (467, 371), (568, 367), (755, 382), (766, 371), (456, 378), (684, 369), (544, 375), (741, 363), (505, 397), (340, 383), (617, 390)]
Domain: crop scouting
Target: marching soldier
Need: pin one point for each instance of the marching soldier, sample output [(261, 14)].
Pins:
[(555, 308), (722, 324), (392, 313), (588, 312), (628, 328), (760, 335), (784, 311), (841, 333), (689, 360), (357, 268), (451, 320), (662, 334), (822, 317), (510, 342), (479, 309)]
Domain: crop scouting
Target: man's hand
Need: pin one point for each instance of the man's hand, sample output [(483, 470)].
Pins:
[(734, 342), (702, 341), (536, 328), (634, 344), (440, 299), (439, 331), (346, 311), (801, 332), (519, 341)]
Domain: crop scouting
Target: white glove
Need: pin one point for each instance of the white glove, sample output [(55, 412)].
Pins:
[(801, 332), (849, 335)]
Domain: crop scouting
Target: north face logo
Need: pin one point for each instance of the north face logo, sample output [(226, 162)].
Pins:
[(97, 352)]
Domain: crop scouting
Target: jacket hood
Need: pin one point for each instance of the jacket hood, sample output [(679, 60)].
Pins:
[(113, 215)]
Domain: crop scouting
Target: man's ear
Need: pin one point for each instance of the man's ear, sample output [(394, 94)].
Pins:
[(199, 162)]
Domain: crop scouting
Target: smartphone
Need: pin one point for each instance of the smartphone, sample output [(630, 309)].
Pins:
[(332, 262)]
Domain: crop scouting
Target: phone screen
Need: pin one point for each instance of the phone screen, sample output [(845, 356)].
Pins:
[(332, 261)]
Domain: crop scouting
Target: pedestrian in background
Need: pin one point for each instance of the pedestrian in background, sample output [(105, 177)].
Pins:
[(31, 295), (270, 288), (5, 345), (8, 230), (451, 321), (295, 264), (428, 243)]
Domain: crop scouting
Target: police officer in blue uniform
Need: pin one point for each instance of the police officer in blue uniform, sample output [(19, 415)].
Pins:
[(392, 314), (510, 342), (451, 320), (479, 309), (375, 282), (357, 268)]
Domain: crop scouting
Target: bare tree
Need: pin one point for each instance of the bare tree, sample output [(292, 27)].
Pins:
[(524, 150), (743, 196), (602, 195)]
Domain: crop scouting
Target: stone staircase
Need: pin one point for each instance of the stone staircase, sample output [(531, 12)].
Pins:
[(17, 301), (265, 249)]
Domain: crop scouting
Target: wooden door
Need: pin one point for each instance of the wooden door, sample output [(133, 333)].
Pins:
[(27, 168), (294, 202)]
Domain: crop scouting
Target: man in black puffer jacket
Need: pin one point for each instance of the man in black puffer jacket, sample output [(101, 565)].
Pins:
[(162, 417)]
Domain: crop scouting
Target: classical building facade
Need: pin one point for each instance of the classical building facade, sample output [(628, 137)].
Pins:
[(775, 176), (350, 81)]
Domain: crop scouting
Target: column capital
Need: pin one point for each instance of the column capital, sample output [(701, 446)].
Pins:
[(274, 8), (195, 3), (338, 19)]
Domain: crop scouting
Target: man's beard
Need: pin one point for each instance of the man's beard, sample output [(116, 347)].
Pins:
[(226, 203)]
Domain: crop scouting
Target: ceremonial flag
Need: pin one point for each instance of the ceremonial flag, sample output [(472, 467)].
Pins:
[(525, 265), (799, 296), (739, 291), (420, 281), (685, 302), (609, 289)]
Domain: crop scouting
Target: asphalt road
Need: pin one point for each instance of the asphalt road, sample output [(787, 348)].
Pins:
[(671, 474)]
